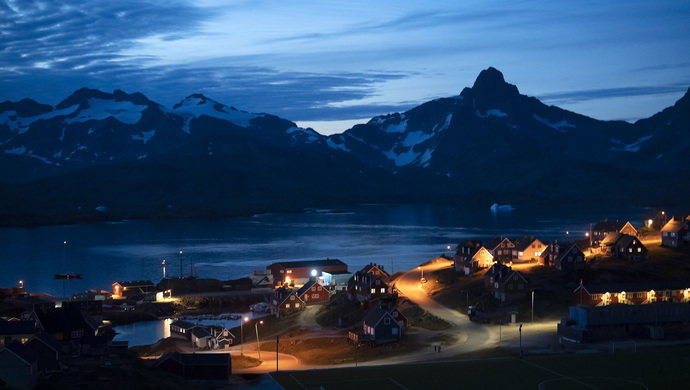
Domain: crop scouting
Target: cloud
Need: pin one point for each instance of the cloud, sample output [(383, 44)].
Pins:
[(606, 93), (71, 34)]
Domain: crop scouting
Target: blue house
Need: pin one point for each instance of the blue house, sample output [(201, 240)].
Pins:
[(380, 326)]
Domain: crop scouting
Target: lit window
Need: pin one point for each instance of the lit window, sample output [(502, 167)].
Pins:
[(289, 271), (287, 305), (639, 250), (296, 305), (383, 290), (373, 291)]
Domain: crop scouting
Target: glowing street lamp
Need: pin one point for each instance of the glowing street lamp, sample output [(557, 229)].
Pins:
[(21, 283), (256, 328), (422, 270)]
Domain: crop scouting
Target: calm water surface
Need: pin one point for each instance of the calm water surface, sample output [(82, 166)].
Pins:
[(399, 237)]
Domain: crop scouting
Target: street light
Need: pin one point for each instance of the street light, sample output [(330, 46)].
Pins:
[(242, 321), (422, 277), (21, 283), (256, 328)]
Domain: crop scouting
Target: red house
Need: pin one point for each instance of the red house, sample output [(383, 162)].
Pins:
[(313, 292), (631, 293)]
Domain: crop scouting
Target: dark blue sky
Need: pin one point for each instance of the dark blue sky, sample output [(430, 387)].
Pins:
[(325, 64)]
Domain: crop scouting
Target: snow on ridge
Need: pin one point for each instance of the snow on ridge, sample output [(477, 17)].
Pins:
[(415, 137), (444, 126), (633, 147), (333, 145), (22, 124), (196, 107), (144, 137), (401, 159), (99, 109), (21, 151), (560, 126), (397, 128), (493, 112)]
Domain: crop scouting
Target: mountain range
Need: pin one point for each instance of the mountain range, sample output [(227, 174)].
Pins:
[(107, 156)]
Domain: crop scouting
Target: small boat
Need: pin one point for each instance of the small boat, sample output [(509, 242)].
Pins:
[(67, 276)]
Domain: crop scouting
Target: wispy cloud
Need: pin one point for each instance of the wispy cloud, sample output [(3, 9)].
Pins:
[(607, 93)]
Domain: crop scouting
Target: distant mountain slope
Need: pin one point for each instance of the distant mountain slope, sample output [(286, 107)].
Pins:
[(138, 159)]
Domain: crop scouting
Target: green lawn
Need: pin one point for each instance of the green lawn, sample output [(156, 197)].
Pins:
[(661, 368)]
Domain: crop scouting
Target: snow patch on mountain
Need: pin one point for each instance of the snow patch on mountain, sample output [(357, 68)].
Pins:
[(311, 134), (561, 126), (99, 109), (401, 159), (196, 106), (21, 151), (144, 137), (633, 147), (333, 145), (396, 128), (415, 138), (493, 112), (22, 124), (444, 126)]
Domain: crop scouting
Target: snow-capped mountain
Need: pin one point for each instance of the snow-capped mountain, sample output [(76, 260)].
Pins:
[(91, 127), (134, 158)]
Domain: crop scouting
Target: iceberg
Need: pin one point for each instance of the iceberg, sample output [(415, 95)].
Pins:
[(495, 208)]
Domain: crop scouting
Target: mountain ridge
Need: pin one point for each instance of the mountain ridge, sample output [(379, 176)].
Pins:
[(489, 140)]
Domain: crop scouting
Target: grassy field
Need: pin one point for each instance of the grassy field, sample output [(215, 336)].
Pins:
[(660, 368)]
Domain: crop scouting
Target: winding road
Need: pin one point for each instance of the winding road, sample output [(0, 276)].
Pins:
[(467, 335)]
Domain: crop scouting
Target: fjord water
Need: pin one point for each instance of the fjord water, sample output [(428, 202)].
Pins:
[(398, 237)]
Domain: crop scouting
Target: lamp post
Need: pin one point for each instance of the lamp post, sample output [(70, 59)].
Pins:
[(256, 328), (533, 307), (422, 270), (21, 283), (242, 321), (520, 329)]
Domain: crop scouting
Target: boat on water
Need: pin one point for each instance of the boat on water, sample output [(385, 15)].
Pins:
[(66, 276)]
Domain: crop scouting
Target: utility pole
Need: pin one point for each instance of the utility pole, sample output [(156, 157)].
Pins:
[(532, 307), (520, 341), (277, 341)]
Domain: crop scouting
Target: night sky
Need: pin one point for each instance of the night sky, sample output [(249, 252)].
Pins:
[(329, 64)]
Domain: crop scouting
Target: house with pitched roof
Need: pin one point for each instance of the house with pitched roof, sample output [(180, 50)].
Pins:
[(472, 259), (285, 301), (509, 285), (18, 366), (381, 327), (313, 292), (501, 248), (602, 228), (569, 257), (299, 272), (182, 329), (527, 249), (366, 285), (75, 329), (21, 331), (47, 349), (623, 246), (676, 232)]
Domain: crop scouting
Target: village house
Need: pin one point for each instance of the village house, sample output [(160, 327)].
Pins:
[(631, 293), (222, 338), (369, 283), (48, 351), (21, 331), (623, 246), (564, 257), (501, 249), (381, 327), (18, 366), (285, 301), (471, 259), (182, 329), (128, 289), (509, 284), (313, 292), (75, 329), (610, 322), (602, 228), (676, 232), (299, 272), (527, 249)]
